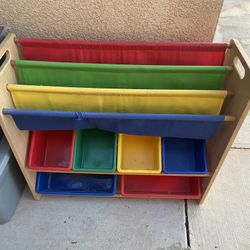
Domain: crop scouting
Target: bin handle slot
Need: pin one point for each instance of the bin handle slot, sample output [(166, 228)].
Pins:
[(240, 69), (4, 59)]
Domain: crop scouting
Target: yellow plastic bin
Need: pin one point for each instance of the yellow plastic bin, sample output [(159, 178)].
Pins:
[(117, 100), (139, 154)]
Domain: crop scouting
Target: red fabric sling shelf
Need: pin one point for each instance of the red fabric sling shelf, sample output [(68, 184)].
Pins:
[(144, 53)]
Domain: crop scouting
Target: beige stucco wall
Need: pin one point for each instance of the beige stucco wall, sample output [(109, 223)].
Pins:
[(150, 20)]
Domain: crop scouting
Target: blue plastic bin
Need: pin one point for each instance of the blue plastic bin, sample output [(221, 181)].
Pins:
[(184, 156), (165, 125), (76, 184)]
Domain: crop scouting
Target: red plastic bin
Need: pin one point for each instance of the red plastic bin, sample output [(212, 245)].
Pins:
[(51, 150), (160, 187)]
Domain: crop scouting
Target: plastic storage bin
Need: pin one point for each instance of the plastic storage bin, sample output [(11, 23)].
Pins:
[(160, 186), (139, 154), (120, 76), (95, 151), (51, 150), (152, 53), (11, 182), (117, 100), (76, 184), (165, 125), (184, 156), (4, 30)]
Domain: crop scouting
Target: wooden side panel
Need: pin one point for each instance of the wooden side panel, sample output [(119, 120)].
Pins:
[(237, 105), (17, 139)]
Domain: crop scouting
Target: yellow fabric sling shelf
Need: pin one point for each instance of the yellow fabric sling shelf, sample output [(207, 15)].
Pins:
[(117, 100)]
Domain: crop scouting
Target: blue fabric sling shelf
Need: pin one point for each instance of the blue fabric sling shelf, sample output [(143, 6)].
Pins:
[(165, 125)]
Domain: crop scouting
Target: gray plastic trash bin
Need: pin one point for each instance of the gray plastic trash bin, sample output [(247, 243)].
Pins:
[(4, 30), (11, 179), (11, 182)]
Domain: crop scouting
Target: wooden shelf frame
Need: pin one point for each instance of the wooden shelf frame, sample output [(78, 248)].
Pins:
[(116, 173), (236, 105), (118, 195)]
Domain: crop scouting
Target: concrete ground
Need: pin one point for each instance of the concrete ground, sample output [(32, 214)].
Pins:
[(105, 223)]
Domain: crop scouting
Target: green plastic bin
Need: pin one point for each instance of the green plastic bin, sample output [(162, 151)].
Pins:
[(95, 151)]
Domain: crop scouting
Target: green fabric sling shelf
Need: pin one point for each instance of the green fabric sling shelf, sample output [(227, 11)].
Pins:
[(120, 76)]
